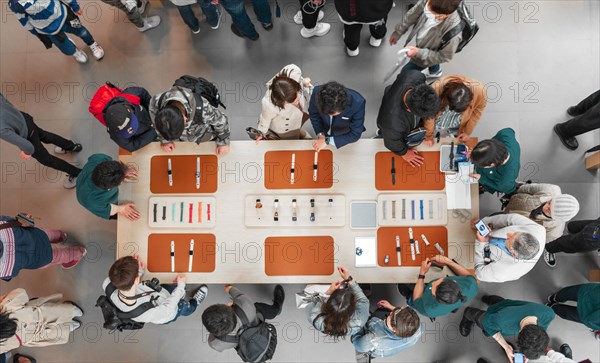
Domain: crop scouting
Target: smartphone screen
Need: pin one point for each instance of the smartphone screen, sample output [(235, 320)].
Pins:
[(482, 228), (519, 358)]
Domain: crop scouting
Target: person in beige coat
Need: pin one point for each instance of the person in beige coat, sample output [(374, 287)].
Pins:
[(37, 322), (462, 101), (285, 104), (546, 205)]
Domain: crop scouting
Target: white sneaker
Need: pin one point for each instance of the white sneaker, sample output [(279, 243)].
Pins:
[(220, 12), (70, 182), (298, 17), (375, 42), (97, 51), (318, 31), (352, 53), (80, 56), (427, 74), (74, 325), (150, 22), (142, 8)]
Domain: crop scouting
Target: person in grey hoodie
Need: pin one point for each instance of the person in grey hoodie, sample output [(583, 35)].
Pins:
[(18, 128), (169, 303)]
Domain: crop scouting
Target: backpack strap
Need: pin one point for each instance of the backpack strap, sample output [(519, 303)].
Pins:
[(245, 324), (242, 315), (142, 308), (450, 34)]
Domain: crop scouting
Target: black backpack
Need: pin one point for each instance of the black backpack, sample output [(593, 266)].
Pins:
[(114, 319), (202, 87), (467, 27), (255, 344)]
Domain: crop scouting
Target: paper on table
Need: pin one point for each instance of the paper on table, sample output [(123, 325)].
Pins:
[(365, 249), (458, 187)]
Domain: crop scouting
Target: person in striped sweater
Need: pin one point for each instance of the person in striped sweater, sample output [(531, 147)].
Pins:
[(51, 20)]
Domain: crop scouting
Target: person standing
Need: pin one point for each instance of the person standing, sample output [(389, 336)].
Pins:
[(310, 16), (587, 301), (584, 236), (18, 128), (134, 9), (211, 11), (242, 25), (585, 116), (51, 20)]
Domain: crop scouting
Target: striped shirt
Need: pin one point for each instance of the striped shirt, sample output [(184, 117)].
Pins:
[(448, 120), (42, 16), (7, 261)]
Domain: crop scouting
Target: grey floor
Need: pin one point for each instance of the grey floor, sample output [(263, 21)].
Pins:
[(537, 58)]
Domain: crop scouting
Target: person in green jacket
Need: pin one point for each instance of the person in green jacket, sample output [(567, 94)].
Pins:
[(97, 187), (587, 299), (441, 296), (497, 162)]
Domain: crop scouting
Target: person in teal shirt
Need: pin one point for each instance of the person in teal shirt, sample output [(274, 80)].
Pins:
[(442, 296), (587, 298), (511, 317), (97, 187), (497, 162)]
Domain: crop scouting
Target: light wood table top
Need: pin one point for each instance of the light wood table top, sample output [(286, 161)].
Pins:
[(240, 250)]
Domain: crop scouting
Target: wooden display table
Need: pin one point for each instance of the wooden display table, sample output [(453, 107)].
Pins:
[(242, 245)]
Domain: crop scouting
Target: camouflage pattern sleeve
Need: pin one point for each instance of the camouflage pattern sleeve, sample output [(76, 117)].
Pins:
[(217, 121)]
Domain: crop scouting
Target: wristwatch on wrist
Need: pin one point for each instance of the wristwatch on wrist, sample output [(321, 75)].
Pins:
[(421, 277), (327, 140)]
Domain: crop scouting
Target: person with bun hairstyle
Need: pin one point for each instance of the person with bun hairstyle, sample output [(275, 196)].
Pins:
[(345, 310)]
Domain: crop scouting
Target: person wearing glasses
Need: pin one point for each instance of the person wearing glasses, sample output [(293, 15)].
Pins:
[(388, 331)]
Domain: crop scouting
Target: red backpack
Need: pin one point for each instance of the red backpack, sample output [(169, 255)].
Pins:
[(104, 95)]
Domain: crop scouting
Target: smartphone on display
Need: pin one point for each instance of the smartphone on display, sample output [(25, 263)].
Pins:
[(519, 357), (482, 228)]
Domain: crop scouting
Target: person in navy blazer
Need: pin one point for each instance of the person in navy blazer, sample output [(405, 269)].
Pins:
[(337, 115)]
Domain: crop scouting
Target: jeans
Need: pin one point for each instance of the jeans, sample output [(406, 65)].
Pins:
[(240, 18), (410, 65), (566, 311), (37, 136), (352, 33), (134, 16), (65, 44), (61, 253), (589, 114), (309, 20), (209, 10), (184, 308), (582, 239)]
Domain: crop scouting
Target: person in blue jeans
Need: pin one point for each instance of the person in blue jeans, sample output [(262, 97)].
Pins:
[(51, 20), (242, 25), (211, 11)]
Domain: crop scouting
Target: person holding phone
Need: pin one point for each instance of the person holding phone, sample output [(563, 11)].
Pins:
[(515, 243), (529, 321)]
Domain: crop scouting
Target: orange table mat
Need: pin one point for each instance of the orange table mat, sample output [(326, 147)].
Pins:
[(426, 177), (299, 256), (184, 174), (386, 244), (278, 169), (159, 252)]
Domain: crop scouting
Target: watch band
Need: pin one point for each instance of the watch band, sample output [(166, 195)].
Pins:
[(421, 277), (327, 140)]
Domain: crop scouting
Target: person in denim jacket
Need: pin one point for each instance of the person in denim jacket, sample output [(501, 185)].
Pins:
[(344, 312)]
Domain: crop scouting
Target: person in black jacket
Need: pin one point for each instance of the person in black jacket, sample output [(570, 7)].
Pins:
[(130, 125), (405, 104)]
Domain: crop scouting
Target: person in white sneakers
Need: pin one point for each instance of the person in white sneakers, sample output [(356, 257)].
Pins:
[(134, 9), (51, 20), (309, 16), (356, 13), (212, 13)]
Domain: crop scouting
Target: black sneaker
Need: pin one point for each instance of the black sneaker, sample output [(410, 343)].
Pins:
[(572, 111), (569, 142), (267, 26), (279, 297), (551, 300), (481, 360), (566, 350), (465, 326), (405, 291), (549, 258), (76, 148)]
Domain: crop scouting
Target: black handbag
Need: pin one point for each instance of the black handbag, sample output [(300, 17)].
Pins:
[(254, 133)]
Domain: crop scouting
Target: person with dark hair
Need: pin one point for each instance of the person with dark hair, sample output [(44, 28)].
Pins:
[(587, 304), (355, 14), (546, 205), (222, 320), (310, 16), (441, 296), (337, 115), (125, 277), (513, 247), (285, 104), (388, 331), (344, 312), (32, 248), (430, 21), (212, 13), (405, 104), (36, 322), (18, 128), (177, 117), (584, 236), (585, 116), (510, 317), (129, 125), (97, 187), (462, 101), (497, 162)]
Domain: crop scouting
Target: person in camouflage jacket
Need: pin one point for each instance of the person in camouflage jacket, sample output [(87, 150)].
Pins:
[(174, 115)]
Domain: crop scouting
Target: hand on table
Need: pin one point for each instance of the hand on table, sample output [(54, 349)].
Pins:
[(385, 305), (464, 137), (128, 211), (428, 142), (258, 138), (334, 286), (475, 176), (343, 272), (425, 266), (441, 260), (24, 156), (227, 287), (319, 143), (180, 278), (413, 158), (139, 260), (222, 150), (131, 173), (168, 147)]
